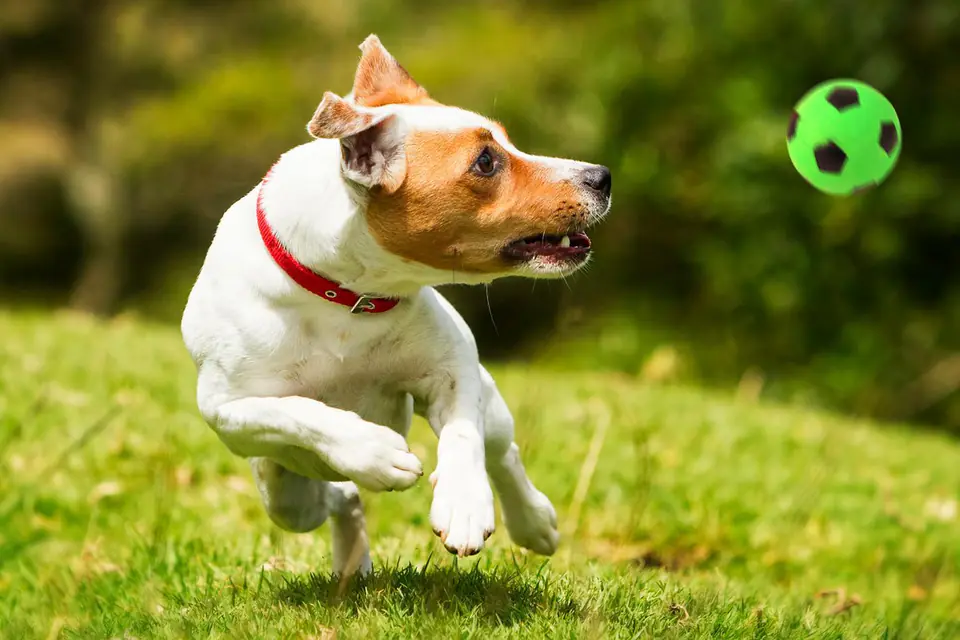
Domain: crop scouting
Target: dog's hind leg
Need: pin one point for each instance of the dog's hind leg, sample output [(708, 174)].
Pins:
[(300, 504), (530, 517), (293, 502), (351, 547)]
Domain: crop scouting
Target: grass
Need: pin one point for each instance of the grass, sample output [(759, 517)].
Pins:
[(121, 515)]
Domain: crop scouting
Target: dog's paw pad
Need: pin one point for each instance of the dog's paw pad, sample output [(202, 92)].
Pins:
[(533, 525), (462, 513)]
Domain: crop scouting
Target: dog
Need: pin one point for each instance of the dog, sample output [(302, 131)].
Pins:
[(317, 333)]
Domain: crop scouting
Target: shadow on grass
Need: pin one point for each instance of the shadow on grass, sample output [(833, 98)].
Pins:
[(499, 596)]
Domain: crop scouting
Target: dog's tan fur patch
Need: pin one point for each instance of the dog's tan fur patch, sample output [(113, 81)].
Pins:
[(448, 218), (381, 80)]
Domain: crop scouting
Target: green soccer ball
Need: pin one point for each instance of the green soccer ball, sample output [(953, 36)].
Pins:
[(844, 137)]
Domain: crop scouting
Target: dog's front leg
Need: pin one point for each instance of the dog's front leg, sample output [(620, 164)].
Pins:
[(462, 510), (314, 439)]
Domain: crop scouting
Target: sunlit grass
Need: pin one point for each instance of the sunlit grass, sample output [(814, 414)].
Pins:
[(699, 516)]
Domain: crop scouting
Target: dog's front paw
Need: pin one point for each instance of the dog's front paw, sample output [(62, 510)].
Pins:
[(375, 458), (532, 523), (462, 510)]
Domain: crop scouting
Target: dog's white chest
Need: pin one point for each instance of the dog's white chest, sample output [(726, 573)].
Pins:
[(343, 368), (320, 343)]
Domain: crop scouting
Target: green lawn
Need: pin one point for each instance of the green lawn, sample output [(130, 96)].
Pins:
[(121, 515)]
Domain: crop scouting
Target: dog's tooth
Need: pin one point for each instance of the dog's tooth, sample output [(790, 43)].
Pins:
[(565, 241)]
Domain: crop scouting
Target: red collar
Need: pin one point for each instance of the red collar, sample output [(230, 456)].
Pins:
[(311, 280)]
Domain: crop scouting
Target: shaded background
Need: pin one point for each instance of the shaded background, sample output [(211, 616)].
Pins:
[(128, 127)]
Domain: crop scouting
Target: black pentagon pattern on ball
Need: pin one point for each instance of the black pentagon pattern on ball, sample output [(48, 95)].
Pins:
[(792, 126), (888, 137), (843, 97), (830, 157)]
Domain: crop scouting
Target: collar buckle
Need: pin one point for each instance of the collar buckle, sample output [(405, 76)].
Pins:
[(363, 303)]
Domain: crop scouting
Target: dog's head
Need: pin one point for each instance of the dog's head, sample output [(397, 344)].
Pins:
[(445, 187)]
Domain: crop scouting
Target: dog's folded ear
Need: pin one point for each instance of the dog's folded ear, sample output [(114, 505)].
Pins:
[(381, 80), (371, 141)]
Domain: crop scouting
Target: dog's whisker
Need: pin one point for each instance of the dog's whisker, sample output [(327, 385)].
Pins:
[(486, 290)]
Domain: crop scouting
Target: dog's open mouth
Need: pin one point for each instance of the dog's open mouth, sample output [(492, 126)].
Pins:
[(569, 247)]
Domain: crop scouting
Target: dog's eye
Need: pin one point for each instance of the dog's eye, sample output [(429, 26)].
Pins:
[(486, 164)]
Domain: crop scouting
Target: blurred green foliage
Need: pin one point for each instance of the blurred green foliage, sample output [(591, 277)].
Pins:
[(715, 250)]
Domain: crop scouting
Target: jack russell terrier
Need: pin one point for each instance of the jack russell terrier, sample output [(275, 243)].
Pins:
[(316, 331)]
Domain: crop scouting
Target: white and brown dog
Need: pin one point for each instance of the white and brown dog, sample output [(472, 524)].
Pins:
[(316, 332)]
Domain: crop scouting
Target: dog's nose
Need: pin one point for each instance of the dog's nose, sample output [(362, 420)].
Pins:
[(598, 178)]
